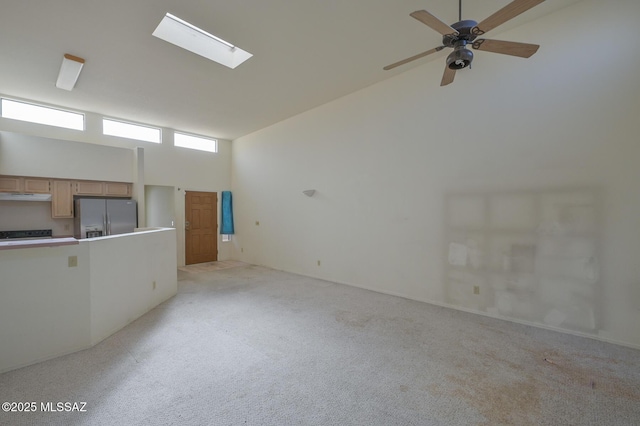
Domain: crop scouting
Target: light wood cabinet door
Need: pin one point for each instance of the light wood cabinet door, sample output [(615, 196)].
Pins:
[(10, 184), (88, 188), (62, 199), (117, 189), (37, 186)]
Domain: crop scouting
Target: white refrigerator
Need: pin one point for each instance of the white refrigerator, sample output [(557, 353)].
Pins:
[(97, 217)]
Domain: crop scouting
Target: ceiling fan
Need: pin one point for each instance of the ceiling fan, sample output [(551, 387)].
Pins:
[(463, 33)]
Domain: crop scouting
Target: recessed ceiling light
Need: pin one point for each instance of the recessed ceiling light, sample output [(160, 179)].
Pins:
[(183, 34)]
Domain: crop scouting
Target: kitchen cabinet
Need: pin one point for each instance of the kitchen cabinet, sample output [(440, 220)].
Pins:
[(107, 189), (25, 184), (117, 189), (88, 188), (63, 190), (62, 199), (37, 186), (10, 184)]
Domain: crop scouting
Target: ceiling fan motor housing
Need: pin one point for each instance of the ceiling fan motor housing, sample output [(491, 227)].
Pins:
[(465, 32)]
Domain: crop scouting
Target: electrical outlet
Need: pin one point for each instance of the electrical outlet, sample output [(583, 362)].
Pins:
[(318, 263), (476, 289), (241, 249), (66, 226), (257, 223), (154, 285), (73, 261)]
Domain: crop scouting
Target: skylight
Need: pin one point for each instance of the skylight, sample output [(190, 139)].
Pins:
[(195, 142), (42, 115), (183, 34), (131, 131)]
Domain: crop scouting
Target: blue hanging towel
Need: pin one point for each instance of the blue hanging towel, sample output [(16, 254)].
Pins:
[(227, 214)]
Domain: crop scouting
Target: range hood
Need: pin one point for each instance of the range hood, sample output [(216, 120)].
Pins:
[(10, 196)]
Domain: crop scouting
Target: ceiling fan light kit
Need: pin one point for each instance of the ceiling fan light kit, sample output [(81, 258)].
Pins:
[(466, 32), (460, 58)]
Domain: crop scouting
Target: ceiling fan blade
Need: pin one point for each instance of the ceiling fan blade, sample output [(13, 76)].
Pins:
[(448, 76), (508, 12), (523, 50), (433, 22), (413, 58)]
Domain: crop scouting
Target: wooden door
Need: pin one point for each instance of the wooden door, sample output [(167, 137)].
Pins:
[(201, 227)]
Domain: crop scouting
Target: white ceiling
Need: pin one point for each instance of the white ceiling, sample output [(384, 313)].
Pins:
[(306, 53)]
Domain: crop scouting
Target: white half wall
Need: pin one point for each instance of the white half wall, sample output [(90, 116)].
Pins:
[(130, 274), (44, 308), (383, 161), (48, 308)]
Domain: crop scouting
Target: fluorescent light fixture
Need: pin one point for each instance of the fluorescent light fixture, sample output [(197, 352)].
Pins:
[(131, 131), (69, 72), (40, 114), (195, 142), (183, 34)]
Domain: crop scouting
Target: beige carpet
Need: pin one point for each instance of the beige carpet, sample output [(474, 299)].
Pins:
[(249, 345)]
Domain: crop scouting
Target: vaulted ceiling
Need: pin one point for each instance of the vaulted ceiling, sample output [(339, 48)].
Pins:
[(306, 53)]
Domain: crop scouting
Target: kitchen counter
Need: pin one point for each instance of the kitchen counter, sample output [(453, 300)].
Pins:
[(47, 242)]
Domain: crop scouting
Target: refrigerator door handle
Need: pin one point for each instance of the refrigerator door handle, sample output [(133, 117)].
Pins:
[(104, 224), (108, 224)]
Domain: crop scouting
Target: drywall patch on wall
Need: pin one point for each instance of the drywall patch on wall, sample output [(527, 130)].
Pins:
[(532, 255)]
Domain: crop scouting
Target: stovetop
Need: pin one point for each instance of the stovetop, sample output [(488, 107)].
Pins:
[(27, 234)]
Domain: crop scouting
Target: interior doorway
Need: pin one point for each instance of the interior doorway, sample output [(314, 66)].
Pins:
[(201, 227), (159, 206)]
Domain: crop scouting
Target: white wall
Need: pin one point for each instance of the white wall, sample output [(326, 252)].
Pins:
[(19, 215), (383, 159), (27, 155), (36, 150), (164, 163)]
